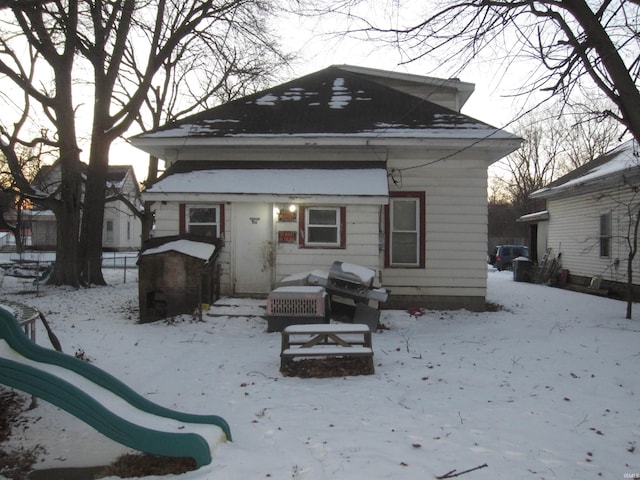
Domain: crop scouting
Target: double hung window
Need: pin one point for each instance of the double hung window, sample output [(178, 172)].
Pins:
[(323, 227), (405, 230), (605, 235), (202, 220)]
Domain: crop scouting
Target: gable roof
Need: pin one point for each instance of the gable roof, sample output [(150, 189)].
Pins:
[(48, 176), (605, 171), (339, 101)]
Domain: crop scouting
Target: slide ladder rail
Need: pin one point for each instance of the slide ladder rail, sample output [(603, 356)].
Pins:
[(11, 332)]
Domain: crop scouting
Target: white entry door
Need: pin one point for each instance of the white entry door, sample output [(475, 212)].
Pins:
[(252, 247)]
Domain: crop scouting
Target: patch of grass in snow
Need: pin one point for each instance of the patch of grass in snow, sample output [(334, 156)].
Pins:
[(14, 464)]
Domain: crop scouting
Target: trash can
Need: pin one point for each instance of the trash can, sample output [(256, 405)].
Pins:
[(522, 269)]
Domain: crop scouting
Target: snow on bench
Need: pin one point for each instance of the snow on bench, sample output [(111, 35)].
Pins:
[(326, 340)]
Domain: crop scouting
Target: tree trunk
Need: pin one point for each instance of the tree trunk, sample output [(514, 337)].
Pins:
[(17, 232), (633, 249), (66, 271), (629, 286), (148, 217), (93, 214), (67, 209), (628, 96), (147, 222)]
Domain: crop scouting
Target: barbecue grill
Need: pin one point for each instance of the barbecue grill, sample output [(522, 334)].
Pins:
[(354, 282), (344, 281)]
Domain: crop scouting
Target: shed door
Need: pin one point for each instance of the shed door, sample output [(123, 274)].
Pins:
[(253, 247)]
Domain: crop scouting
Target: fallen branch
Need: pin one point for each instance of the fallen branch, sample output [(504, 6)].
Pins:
[(453, 473)]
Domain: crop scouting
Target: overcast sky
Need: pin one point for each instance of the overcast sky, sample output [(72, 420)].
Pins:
[(317, 48)]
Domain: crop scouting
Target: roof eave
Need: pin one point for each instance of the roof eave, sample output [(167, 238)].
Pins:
[(266, 198), (464, 89), (617, 179), (162, 147)]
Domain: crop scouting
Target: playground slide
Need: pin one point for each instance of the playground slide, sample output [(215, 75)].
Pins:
[(102, 401)]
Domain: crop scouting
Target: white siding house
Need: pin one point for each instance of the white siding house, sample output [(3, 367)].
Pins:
[(352, 164), (590, 212), (122, 229)]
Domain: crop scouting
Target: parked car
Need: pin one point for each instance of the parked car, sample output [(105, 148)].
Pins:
[(503, 255)]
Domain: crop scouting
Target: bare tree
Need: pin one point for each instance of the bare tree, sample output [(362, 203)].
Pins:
[(214, 67), (22, 53), (109, 44), (579, 46), (587, 135), (555, 140)]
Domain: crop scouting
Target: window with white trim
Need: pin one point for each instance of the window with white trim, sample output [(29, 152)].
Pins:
[(203, 220), (605, 235), (109, 230), (323, 226)]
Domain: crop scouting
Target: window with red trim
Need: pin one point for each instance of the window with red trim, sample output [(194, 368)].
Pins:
[(405, 230), (323, 227)]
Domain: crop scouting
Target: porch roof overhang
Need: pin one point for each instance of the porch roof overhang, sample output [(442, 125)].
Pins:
[(355, 185), (534, 217)]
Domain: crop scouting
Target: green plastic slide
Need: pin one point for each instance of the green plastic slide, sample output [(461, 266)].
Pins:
[(36, 370)]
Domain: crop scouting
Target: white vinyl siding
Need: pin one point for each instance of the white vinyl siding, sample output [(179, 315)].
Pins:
[(122, 229), (455, 217), (456, 230), (574, 231), (362, 246)]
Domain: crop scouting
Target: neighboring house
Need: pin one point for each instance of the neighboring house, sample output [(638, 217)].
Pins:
[(359, 165), (121, 230), (43, 228), (587, 217)]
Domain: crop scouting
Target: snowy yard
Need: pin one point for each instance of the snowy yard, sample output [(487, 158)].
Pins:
[(543, 389)]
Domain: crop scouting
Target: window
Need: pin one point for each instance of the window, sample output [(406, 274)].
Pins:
[(404, 246), (109, 229), (323, 227), (605, 235), (202, 220)]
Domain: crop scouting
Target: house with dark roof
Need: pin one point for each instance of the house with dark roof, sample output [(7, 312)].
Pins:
[(590, 217), (121, 230), (371, 167)]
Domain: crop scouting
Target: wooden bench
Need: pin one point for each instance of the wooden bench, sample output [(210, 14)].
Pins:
[(326, 340)]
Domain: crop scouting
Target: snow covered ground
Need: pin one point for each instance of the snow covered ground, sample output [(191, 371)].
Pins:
[(546, 388)]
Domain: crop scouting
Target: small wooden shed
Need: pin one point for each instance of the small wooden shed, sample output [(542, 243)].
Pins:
[(176, 275)]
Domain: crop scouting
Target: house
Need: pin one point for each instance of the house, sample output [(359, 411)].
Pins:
[(366, 166), (121, 230), (588, 217)]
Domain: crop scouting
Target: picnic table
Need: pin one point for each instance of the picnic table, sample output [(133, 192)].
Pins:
[(326, 341)]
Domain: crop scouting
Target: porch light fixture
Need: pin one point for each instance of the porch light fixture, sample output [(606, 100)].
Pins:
[(279, 208)]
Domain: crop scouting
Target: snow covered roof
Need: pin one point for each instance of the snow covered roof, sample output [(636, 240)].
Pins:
[(280, 181), (534, 217), (602, 172), (337, 102)]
